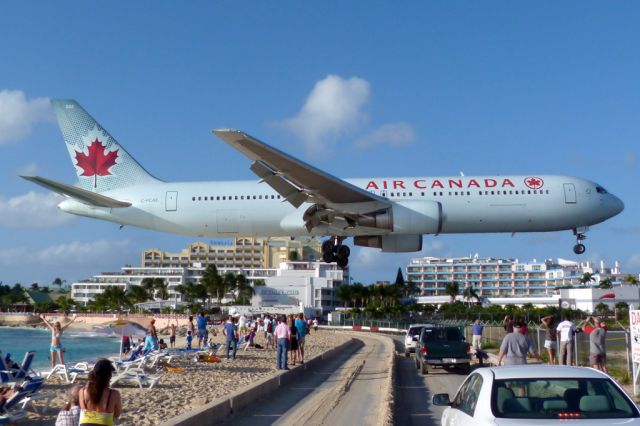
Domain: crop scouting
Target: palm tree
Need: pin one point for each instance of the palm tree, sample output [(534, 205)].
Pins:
[(244, 290), (162, 288), (113, 297), (213, 283), (606, 284), (57, 282), (149, 285), (601, 308), (631, 279), (137, 294), (228, 283), (470, 293), (586, 278), (345, 293), (452, 290)]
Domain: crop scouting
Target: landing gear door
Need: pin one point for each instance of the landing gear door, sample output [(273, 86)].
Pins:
[(569, 193), (171, 201)]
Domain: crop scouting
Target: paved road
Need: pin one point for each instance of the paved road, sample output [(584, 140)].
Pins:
[(413, 391), (312, 400)]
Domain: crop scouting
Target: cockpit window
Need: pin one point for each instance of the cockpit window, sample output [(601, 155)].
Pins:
[(601, 190)]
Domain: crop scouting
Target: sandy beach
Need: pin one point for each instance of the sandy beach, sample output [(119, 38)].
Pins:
[(199, 384)]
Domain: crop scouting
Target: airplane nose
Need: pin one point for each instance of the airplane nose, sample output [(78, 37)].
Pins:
[(617, 206)]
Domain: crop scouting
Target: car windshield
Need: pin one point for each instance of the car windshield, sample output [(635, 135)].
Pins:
[(441, 334), (559, 399), (414, 331)]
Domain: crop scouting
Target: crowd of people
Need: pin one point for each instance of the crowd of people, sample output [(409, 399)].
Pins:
[(97, 403), (559, 341)]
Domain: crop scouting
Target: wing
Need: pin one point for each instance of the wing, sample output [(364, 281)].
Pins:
[(299, 182)]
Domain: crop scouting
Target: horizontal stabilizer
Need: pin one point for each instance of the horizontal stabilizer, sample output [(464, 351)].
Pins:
[(82, 195)]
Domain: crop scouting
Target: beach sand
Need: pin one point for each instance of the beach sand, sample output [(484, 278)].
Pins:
[(199, 384)]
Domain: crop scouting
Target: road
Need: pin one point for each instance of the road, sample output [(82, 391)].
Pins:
[(319, 397), (413, 391)]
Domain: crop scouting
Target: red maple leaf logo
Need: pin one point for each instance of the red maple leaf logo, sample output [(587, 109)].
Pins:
[(534, 182), (97, 163)]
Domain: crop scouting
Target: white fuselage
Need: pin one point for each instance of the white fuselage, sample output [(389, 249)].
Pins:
[(471, 204)]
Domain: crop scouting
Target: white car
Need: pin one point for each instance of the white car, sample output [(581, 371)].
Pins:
[(538, 394), (411, 337)]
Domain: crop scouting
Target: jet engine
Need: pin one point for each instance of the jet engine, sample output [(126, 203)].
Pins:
[(407, 220)]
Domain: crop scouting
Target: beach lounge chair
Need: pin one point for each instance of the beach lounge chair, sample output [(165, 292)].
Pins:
[(135, 376), (25, 368), (32, 392), (154, 358), (11, 410), (69, 374)]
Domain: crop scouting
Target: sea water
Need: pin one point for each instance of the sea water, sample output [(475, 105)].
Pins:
[(79, 346)]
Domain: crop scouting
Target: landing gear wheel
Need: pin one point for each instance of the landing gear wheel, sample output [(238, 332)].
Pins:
[(334, 251), (579, 248), (342, 256)]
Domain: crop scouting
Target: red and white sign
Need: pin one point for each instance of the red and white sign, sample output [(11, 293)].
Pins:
[(634, 323)]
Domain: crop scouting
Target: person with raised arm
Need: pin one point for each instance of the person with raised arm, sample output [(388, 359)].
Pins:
[(56, 333)]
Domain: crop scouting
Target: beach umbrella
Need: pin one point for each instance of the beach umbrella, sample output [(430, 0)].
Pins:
[(121, 328)]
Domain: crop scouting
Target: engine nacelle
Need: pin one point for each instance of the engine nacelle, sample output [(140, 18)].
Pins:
[(391, 243), (407, 217)]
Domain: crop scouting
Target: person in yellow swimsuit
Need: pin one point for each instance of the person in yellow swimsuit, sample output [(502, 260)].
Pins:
[(99, 404)]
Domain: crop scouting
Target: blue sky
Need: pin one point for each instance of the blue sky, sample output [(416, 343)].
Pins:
[(428, 88)]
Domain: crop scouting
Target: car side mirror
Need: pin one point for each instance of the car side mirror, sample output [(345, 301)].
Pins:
[(414, 338), (464, 339), (404, 331), (441, 399)]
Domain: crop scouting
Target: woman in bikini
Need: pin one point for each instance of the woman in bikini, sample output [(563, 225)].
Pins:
[(99, 404), (56, 345)]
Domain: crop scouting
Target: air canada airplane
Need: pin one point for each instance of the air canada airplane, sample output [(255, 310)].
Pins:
[(292, 198)]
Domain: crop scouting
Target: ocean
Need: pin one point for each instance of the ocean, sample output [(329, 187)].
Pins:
[(80, 346)]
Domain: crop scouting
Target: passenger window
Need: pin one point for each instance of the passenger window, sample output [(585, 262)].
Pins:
[(218, 198), (493, 193), (193, 198), (273, 197), (260, 197), (516, 192), (199, 198), (467, 397)]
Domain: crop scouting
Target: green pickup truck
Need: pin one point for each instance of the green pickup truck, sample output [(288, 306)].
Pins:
[(442, 346)]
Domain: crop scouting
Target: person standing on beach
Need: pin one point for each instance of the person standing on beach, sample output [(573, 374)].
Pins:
[(301, 326), (172, 334), (190, 326), (99, 404), (293, 340), (153, 333), (550, 337), (597, 344), (476, 335), (56, 344), (201, 320), (515, 346), (567, 331), (282, 334), (231, 333)]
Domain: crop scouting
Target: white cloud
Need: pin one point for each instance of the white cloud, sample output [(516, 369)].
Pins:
[(75, 253), (30, 169), (18, 115), (392, 134), (335, 107), (33, 210)]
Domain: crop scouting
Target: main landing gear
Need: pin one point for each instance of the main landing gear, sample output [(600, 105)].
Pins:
[(579, 248), (334, 251)]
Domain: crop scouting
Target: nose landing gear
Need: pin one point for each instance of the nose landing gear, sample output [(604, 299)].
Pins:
[(334, 251), (579, 248)]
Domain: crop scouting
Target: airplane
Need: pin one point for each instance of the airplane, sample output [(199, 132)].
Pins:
[(294, 199)]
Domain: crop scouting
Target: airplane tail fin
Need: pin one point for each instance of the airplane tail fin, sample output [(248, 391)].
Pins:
[(101, 163)]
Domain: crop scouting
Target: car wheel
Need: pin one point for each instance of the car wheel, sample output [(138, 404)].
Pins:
[(417, 363), (407, 354), (424, 368)]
